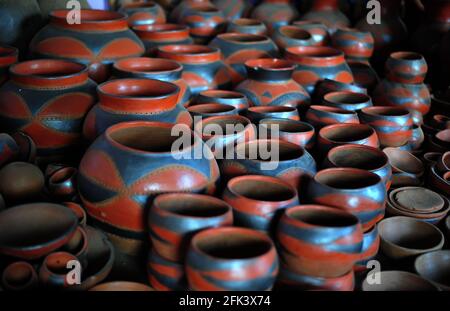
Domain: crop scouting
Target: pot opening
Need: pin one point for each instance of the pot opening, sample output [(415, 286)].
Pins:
[(295, 33), (247, 22), (142, 64), (251, 188), (138, 88), (323, 218), (332, 109), (18, 274), (288, 126), (347, 133), (270, 64), (222, 94), (347, 98), (346, 178), (355, 157), (191, 206), (314, 51), (388, 112), (434, 266), (404, 161), (188, 49), (160, 28), (46, 68), (62, 175), (211, 108), (406, 56), (90, 15), (245, 38), (271, 109)]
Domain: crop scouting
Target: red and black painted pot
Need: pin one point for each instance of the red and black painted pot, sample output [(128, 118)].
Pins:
[(130, 99), (9, 150), (319, 241), (204, 22), (357, 45), (233, 9), (203, 68), (270, 83), (328, 13), (99, 40), (270, 157), (357, 191), (329, 85), (19, 276), (288, 35), (320, 116), (315, 63), (8, 55), (54, 270), (47, 100), (178, 11), (256, 209), (157, 69), (371, 245), (211, 110), (275, 13), (362, 157), (143, 13), (393, 125), (238, 48), (62, 184), (156, 35), (231, 98), (318, 31), (172, 225), (257, 113), (231, 259), (406, 67), (247, 26), (296, 132), (347, 100), (165, 275)]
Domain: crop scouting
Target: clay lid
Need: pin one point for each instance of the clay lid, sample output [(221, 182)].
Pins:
[(417, 200)]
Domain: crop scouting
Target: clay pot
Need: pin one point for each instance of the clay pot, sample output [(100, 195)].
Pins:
[(54, 270), (183, 6), (9, 150), (318, 31), (235, 99), (8, 56), (134, 151), (255, 209), (406, 168), (258, 113), (79, 211), (19, 276), (438, 182), (211, 110), (399, 281), (247, 26), (51, 99), (233, 9), (435, 267), (154, 36), (442, 140), (371, 245), (165, 275), (361, 157), (238, 48), (275, 13), (443, 163), (204, 22), (154, 68), (63, 183), (276, 158), (134, 99), (335, 135), (121, 286), (328, 85), (320, 116), (203, 67), (270, 83), (21, 182), (431, 158), (365, 76), (328, 13), (356, 45), (172, 224), (296, 132), (143, 13), (403, 237), (222, 133), (27, 147), (286, 36), (77, 246), (319, 241), (99, 40), (393, 125), (347, 100), (231, 251), (357, 191), (417, 137), (406, 67), (316, 63)]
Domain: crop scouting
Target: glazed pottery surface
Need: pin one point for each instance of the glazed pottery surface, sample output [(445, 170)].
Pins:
[(371, 245), (258, 113), (286, 36), (204, 22), (356, 45), (318, 31)]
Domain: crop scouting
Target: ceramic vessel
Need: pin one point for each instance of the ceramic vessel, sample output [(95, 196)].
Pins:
[(328, 13), (437, 181), (406, 67), (27, 147), (9, 150), (8, 56), (443, 163), (165, 275), (318, 31), (296, 132), (406, 168), (54, 270), (286, 36), (328, 85), (181, 7), (62, 184), (99, 40), (232, 98), (258, 113), (370, 248), (21, 182), (79, 212), (356, 45), (347, 100), (143, 13), (211, 110), (399, 281), (434, 267), (19, 276), (204, 22), (247, 26), (320, 116), (365, 76), (231, 259), (275, 13)]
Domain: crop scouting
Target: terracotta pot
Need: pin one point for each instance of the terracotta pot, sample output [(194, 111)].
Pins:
[(328, 13), (8, 56), (27, 147), (394, 126), (247, 26), (154, 36), (318, 31), (258, 113), (238, 48), (165, 275), (328, 85), (296, 132), (21, 182), (132, 100), (370, 248), (320, 116), (121, 286), (203, 67), (317, 63), (212, 110), (406, 168), (9, 150), (222, 133), (235, 99), (63, 183), (270, 83), (361, 157), (172, 225), (356, 45), (406, 67), (51, 99), (275, 13), (99, 40), (403, 237), (79, 211), (290, 162), (143, 13), (230, 252), (54, 270), (288, 35), (255, 209), (435, 267), (204, 22), (154, 68), (319, 241), (399, 281), (365, 76), (18, 276), (134, 151), (347, 100)]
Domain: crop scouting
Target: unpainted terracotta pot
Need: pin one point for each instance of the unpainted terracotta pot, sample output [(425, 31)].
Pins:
[(407, 169)]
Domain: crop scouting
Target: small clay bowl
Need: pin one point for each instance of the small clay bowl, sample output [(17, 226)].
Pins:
[(406, 168), (18, 276), (231, 98), (121, 286), (347, 100), (443, 163), (399, 281), (257, 113), (62, 184), (211, 110), (435, 267), (406, 67), (296, 132), (55, 268), (416, 200), (404, 237), (320, 116)]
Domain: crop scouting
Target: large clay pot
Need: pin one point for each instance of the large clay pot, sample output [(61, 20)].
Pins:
[(275, 13), (99, 40), (47, 100), (8, 56), (143, 13), (203, 67), (134, 99), (247, 26), (406, 67), (328, 13), (204, 22)]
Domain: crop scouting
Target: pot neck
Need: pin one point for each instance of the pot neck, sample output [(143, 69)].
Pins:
[(91, 20)]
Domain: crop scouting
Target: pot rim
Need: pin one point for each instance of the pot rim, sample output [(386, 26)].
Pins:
[(242, 120), (373, 150), (343, 125), (172, 66), (309, 127), (349, 170), (190, 53), (95, 20)]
